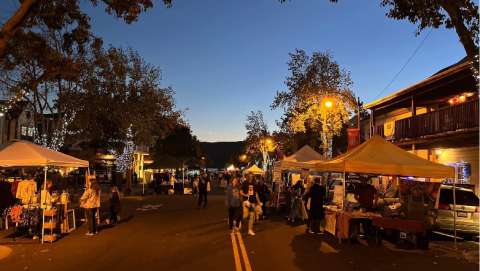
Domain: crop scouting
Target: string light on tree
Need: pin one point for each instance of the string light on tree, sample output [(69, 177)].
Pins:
[(5, 108), (125, 160), (57, 140)]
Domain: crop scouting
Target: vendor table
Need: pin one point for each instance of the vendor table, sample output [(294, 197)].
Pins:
[(414, 230), (338, 222)]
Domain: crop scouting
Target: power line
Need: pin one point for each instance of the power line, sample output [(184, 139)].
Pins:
[(406, 63)]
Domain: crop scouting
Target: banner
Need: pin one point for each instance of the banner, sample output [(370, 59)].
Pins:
[(353, 137)]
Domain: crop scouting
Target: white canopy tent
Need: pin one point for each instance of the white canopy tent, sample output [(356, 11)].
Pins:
[(20, 153), (304, 158)]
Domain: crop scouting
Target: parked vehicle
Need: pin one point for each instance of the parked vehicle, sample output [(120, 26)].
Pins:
[(466, 211)]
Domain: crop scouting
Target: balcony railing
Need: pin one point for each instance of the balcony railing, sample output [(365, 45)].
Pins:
[(459, 117)]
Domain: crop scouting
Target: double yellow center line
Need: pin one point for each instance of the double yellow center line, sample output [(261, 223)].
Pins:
[(237, 242)]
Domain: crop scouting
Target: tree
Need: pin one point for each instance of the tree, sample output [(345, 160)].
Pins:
[(118, 91), (258, 139), (318, 96), (462, 15), (32, 15), (179, 149)]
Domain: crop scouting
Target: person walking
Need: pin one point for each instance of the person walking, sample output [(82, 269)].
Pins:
[(195, 183), (250, 195), (203, 186), (115, 205), (316, 195), (90, 201), (234, 204), (263, 195), (296, 210)]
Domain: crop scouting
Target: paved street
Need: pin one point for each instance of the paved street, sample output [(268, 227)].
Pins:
[(169, 233)]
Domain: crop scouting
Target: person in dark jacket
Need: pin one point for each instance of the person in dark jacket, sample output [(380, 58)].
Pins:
[(203, 187), (264, 196), (115, 205), (316, 194)]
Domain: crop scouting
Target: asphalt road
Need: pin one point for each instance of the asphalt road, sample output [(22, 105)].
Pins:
[(169, 233)]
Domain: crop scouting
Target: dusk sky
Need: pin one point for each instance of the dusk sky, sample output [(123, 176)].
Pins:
[(226, 58)]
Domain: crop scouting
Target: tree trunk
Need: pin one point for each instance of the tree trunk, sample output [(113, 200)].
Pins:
[(465, 35), (12, 25)]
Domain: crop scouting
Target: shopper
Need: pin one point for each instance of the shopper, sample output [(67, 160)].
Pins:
[(203, 185), (90, 200), (297, 209), (195, 183), (115, 205), (264, 196), (316, 195), (250, 195), (234, 204)]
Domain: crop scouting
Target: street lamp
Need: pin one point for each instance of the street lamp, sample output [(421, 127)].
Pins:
[(243, 157), (327, 105)]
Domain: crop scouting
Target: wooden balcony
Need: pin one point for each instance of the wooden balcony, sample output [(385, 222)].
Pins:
[(458, 118)]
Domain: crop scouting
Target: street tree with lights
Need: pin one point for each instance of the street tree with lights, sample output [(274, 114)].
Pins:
[(259, 142), (319, 97)]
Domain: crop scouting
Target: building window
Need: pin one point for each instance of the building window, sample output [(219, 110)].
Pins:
[(24, 130), (31, 131)]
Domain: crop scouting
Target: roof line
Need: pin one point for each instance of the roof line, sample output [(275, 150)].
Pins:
[(428, 80)]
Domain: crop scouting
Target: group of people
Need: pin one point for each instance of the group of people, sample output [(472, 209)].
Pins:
[(311, 199), (90, 201), (246, 197)]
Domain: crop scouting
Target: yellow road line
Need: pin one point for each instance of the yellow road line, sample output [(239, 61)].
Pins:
[(244, 253), (236, 256)]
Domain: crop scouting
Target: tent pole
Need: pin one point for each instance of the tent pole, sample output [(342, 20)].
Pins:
[(455, 207), (44, 200), (344, 190)]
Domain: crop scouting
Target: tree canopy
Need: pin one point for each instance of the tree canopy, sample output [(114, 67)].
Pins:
[(54, 15), (319, 97)]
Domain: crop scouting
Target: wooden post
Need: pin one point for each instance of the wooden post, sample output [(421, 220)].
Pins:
[(413, 107), (372, 122), (455, 207)]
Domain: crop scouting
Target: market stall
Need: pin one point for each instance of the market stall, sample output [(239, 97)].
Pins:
[(24, 154), (254, 170), (375, 157), (303, 159)]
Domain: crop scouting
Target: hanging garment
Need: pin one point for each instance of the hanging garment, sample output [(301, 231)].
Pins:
[(16, 214), (25, 191)]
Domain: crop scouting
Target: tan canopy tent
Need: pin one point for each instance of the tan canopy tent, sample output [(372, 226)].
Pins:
[(254, 170), (26, 154), (377, 156), (304, 158)]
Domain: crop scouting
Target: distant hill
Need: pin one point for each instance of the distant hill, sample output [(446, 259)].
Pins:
[(219, 154)]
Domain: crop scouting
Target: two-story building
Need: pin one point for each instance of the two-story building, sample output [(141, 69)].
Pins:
[(436, 118)]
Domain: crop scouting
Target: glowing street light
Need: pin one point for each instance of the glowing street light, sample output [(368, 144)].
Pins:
[(328, 104), (243, 157)]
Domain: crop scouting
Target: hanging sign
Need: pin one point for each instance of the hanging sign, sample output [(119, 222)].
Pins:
[(353, 137)]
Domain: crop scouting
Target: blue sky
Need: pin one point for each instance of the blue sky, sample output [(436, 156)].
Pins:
[(226, 58)]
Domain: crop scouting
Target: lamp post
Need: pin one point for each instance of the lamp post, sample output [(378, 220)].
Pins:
[(326, 105), (266, 145)]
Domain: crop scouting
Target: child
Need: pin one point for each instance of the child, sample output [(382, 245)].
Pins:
[(115, 205)]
